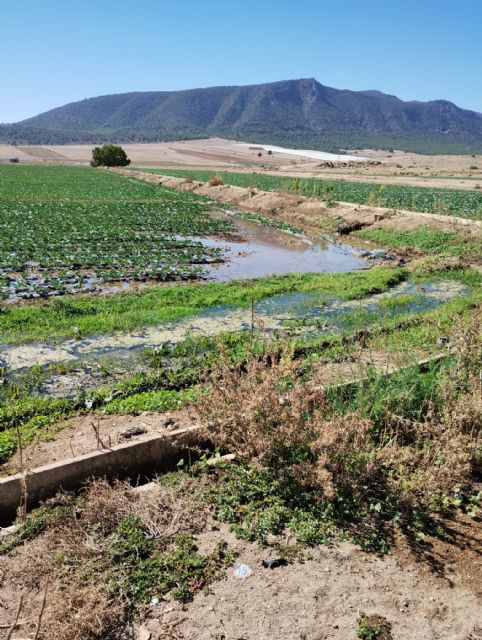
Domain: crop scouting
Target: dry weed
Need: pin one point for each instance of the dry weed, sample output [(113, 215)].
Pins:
[(263, 411), (72, 557), (258, 410), (215, 181)]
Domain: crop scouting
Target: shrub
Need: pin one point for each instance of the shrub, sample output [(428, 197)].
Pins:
[(393, 451), (215, 181), (374, 627), (109, 155)]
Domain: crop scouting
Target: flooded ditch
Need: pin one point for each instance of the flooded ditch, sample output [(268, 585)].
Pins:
[(262, 250), (89, 358)]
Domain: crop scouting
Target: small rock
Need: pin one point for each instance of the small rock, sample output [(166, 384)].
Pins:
[(132, 431), (143, 633), (8, 531), (274, 563), (154, 602)]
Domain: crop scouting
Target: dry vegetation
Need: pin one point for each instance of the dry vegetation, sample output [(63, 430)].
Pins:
[(215, 181), (263, 410), (75, 556), (302, 452)]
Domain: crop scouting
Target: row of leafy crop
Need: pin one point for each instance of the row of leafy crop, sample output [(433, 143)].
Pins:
[(49, 183), (466, 204), (56, 246)]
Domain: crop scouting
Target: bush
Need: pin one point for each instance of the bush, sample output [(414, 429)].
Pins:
[(374, 627), (109, 155), (215, 181), (393, 449)]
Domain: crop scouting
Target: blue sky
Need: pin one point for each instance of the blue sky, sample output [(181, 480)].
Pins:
[(58, 51)]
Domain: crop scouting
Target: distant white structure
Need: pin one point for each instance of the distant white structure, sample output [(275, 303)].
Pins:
[(308, 153)]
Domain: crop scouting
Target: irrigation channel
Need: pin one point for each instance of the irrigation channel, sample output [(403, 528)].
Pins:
[(260, 250), (300, 314)]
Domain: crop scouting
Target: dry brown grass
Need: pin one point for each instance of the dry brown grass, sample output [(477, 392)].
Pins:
[(215, 181), (262, 410), (71, 555), (259, 408)]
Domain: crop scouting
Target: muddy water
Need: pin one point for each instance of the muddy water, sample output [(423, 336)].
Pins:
[(263, 251), (274, 313), (254, 250)]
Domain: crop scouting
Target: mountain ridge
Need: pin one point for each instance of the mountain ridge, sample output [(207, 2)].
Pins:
[(299, 112)]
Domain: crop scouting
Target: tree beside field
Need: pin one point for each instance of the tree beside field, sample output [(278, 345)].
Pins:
[(109, 155)]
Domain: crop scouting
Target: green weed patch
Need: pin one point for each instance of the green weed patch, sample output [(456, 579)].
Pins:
[(448, 243), (148, 569), (86, 315)]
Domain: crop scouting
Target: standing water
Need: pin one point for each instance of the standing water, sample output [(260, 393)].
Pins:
[(258, 250)]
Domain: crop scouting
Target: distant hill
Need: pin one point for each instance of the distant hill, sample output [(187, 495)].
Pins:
[(296, 113)]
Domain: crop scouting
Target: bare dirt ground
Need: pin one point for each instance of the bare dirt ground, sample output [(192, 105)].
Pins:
[(324, 596), (8, 151), (44, 153), (213, 152), (450, 171), (77, 436)]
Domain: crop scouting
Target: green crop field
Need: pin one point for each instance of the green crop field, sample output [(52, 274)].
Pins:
[(465, 204), (69, 229)]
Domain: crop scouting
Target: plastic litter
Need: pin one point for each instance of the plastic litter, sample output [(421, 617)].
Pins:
[(242, 571)]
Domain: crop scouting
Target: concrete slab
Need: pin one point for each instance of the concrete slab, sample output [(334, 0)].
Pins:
[(134, 460)]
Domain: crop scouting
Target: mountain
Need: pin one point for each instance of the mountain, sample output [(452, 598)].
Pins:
[(290, 113)]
